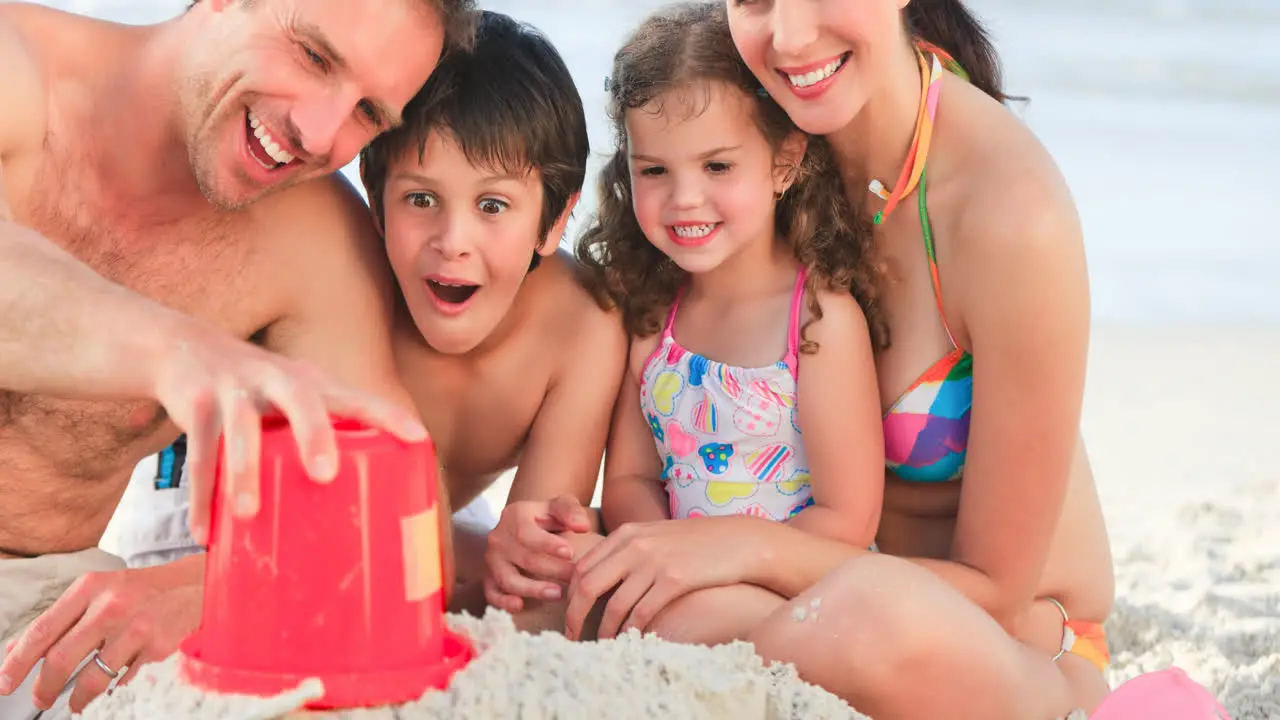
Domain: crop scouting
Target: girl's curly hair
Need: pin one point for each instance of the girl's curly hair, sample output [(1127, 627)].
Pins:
[(680, 47)]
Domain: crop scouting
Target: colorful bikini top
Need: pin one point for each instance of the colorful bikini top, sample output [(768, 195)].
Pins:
[(729, 437), (926, 430)]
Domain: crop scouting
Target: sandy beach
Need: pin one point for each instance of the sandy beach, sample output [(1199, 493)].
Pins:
[(1149, 107), (1181, 429)]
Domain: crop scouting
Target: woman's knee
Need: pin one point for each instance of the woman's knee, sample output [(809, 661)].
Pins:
[(896, 641)]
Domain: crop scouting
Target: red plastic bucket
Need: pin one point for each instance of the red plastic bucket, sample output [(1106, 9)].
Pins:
[(340, 581)]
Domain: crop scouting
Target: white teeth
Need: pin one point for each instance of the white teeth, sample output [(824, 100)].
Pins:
[(274, 151), (818, 75), (693, 231)]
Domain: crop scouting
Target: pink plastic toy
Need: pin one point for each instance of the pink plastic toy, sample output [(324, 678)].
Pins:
[(1163, 695), (340, 581)]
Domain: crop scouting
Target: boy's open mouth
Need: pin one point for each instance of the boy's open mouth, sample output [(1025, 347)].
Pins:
[(452, 293), (263, 146)]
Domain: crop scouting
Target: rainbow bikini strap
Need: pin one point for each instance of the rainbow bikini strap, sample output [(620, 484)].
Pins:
[(913, 168)]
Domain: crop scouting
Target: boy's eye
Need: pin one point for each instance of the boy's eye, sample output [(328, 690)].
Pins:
[(653, 171), (490, 206), (717, 168), (421, 199)]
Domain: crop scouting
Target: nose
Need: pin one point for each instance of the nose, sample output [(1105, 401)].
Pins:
[(450, 240), (687, 193), (794, 28), (319, 120)]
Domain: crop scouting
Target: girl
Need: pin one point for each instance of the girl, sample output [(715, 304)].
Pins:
[(731, 250)]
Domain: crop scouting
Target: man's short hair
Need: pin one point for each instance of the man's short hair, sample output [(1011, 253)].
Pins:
[(457, 17), (509, 102)]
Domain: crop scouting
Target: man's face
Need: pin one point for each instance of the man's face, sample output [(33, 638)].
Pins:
[(283, 91), (460, 238)]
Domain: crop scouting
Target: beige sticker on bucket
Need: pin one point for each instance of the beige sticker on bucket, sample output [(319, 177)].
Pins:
[(422, 574)]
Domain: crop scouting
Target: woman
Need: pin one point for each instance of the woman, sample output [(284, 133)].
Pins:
[(994, 574)]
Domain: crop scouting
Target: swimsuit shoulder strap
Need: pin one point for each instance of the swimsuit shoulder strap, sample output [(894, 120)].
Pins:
[(793, 324), (929, 251)]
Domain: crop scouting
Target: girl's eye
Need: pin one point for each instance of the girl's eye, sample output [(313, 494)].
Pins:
[(421, 200), (490, 206), (718, 168), (654, 171)]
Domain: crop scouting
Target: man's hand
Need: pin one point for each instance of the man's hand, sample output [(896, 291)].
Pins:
[(525, 558), (211, 382), (131, 617)]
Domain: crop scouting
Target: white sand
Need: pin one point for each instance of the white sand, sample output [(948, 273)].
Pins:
[(1184, 431), (1182, 427), (531, 677)]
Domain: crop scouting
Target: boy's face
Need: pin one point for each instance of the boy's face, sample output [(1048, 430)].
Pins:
[(460, 239)]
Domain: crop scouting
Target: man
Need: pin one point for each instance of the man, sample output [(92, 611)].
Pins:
[(165, 193)]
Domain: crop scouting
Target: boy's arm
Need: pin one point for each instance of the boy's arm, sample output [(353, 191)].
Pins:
[(567, 439), (633, 490), (839, 406)]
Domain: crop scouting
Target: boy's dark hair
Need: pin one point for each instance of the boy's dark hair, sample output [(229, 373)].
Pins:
[(510, 104), (456, 16), (686, 47)]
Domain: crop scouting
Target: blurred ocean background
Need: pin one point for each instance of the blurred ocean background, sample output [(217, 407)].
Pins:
[(1163, 114)]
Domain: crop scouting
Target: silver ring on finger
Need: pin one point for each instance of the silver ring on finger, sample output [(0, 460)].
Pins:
[(97, 660)]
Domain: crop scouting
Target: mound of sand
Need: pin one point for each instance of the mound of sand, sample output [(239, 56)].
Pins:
[(533, 677)]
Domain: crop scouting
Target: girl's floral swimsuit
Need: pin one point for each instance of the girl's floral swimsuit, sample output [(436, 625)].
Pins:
[(729, 437)]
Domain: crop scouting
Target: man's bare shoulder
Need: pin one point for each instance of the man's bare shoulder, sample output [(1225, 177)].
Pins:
[(318, 237), (314, 214), (22, 87)]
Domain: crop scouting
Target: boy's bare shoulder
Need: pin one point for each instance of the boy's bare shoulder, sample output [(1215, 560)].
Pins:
[(571, 308)]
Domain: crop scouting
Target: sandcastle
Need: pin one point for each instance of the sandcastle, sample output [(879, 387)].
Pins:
[(532, 677), (338, 604)]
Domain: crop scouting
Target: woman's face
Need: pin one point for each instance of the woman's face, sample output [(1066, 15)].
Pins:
[(819, 59)]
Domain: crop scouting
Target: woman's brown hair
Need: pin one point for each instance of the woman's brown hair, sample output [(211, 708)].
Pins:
[(681, 47), (951, 26)]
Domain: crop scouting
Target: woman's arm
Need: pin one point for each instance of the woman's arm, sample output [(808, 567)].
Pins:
[(632, 491), (839, 406), (1024, 302)]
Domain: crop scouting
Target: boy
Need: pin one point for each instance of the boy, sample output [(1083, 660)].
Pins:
[(508, 359)]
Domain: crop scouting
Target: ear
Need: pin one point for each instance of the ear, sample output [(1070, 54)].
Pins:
[(551, 242), (373, 211), (787, 166)]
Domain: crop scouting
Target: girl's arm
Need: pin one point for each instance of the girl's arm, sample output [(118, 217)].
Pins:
[(839, 406), (633, 490)]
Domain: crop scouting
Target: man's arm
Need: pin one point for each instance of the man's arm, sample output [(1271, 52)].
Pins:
[(338, 291), (66, 329)]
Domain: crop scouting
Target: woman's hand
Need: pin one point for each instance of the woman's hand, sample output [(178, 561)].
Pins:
[(652, 564)]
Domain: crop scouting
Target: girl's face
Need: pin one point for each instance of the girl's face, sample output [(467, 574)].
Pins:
[(818, 58), (703, 175)]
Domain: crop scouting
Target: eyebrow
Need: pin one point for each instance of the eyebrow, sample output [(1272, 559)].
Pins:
[(420, 178), (702, 156), (313, 34)]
